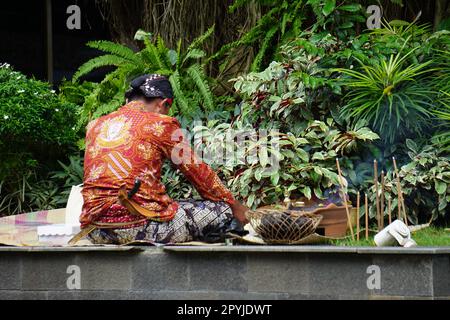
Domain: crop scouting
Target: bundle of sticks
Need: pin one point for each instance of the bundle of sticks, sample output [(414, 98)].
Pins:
[(379, 199), (380, 196)]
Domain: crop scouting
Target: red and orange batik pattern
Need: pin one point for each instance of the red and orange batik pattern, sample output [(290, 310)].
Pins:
[(132, 144)]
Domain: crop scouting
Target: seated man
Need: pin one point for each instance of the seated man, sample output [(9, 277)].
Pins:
[(124, 199)]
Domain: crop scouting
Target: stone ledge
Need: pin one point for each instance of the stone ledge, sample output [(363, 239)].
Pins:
[(310, 249), (238, 249), (211, 272), (71, 249)]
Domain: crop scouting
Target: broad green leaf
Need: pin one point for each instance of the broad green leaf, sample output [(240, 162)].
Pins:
[(318, 156), (350, 7), (251, 200), (328, 7), (263, 156), (275, 178), (440, 187), (306, 192)]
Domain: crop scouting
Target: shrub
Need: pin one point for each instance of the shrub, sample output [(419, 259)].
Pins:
[(36, 128), (400, 77)]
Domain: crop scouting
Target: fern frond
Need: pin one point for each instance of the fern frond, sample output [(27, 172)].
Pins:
[(179, 54), (163, 51), (115, 49), (262, 51), (180, 98), (115, 103), (198, 76), (194, 54), (98, 62), (151, 53), (113, 85), (252, 36), (197, 42), (163, 72), (237, 4)]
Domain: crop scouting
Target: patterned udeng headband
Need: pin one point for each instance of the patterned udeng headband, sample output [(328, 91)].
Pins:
[(152, 86)]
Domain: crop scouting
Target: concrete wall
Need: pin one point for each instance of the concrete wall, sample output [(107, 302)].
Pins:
[(225, 273)]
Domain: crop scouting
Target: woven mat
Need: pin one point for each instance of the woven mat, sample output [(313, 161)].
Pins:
[(21, 230)]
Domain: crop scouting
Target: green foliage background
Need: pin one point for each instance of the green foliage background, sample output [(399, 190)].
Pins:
[(319, 83)]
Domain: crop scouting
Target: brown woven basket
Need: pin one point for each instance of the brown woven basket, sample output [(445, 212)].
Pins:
[(283, 226)]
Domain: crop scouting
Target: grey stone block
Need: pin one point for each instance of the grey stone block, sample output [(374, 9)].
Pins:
[(100, 271), (324, 297), (218, 272), (23, 295), (389, 297), (10, 272), (46, 271), (160, 271), (338, 275), (441, 276), (278, 273), (172, 295), (408, 276), (236, 295), (89, 295), (442, 298)]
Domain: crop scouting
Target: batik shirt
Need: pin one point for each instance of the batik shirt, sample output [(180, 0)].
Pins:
[(132, 144)]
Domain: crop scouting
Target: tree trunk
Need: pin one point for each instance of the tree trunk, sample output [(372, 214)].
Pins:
[(440, 11)]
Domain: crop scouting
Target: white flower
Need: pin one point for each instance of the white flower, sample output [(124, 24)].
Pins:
[(57, 110), (53, 91), (5, 117), (21, 91), (19, 77)]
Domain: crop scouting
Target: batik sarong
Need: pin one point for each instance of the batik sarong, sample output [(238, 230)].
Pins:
[(192, 220)]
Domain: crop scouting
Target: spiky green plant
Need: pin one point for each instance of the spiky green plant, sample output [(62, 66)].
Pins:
[(393, 96), (186, 73)]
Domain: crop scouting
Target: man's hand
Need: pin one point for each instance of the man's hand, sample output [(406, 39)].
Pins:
[(239, 211)]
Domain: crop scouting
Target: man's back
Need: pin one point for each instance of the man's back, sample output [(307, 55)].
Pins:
[(120, 147), (131, 144)]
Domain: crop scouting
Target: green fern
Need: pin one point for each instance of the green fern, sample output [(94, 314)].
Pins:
[(267, 21), (196, 73), (154, 58), (188, 79), (257, 62), (194, 54), (115, 49), (237, 4), (179, 59), (98, 62), (199, 41), (181, 100)]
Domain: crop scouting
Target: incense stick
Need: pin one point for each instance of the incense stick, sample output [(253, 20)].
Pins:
[(401, 203), (366, 209), (382, 199), (389, 210), (377, 197), (357, 216), (344, 198)]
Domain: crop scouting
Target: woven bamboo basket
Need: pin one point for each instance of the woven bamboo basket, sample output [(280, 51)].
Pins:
[(283, 226)]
